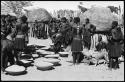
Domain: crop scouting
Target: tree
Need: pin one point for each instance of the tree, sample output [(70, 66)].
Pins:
[(17, 6)]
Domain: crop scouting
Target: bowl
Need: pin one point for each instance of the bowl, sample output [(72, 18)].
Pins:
[(15, 70), (25, 63), (47, 47), (64, 54), (35, 55), (43, 65), (53, 61), (52, 56)]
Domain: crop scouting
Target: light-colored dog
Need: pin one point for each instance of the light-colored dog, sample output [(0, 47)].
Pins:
[(95, 56)]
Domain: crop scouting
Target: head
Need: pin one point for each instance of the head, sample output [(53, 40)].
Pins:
[(114, 24), (35, 21), (87, 20), (76, 20), (92, 28), (58, 16), (63, 20), (23, 19), (71, 19)]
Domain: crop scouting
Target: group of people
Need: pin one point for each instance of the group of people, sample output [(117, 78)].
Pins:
[(14, 39), (63, 32), (79, 36), (39, 30)]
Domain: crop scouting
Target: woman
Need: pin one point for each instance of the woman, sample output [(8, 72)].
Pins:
[(21, 35), (115, 41), (76, 45)]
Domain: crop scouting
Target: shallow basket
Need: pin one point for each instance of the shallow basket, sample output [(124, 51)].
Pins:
[(43, 65), (63, 54), (52, 56), (11, 72), (55, 62)]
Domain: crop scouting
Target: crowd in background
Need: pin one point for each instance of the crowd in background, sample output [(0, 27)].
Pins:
[(63, 32)]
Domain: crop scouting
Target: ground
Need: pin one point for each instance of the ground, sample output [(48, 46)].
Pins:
[(67, 72)]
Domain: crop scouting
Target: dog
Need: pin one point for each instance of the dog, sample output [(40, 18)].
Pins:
[(97, 56)]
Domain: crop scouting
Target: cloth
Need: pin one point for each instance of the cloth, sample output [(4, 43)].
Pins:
[(87, 36), (19, 42), (77, 44), (114, 44), (94, 41)]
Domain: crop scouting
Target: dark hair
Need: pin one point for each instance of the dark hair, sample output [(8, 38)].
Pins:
[(115, 23), (24, 18), (87, 19), (71, 19), (53, 20), (63, 19), (76, 20)]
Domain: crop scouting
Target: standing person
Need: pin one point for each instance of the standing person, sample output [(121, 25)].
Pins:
[(21, 33), (7, 50), (115, 40), (77, 45), (52, 27), (64, 29), (87, 34), (35, 28)]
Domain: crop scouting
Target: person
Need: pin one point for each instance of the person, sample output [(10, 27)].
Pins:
[(87, 34), (64, 30), (71, 20), (77, 43), (114, 46), (101, 45), (21, 34), (43, 30), (52, 27), (7, 49), (35, 28), (7, 52)]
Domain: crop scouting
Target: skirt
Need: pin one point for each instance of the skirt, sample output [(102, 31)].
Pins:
[(76, 45), (115, 50), (19, 42)]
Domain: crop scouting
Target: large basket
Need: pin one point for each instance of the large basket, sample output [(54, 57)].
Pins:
[(41, 65), (55, 62), (63, 54), (15, 70)]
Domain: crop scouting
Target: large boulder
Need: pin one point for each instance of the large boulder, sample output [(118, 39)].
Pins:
[(101, 17)]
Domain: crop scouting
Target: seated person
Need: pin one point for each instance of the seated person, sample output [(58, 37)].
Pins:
[(101, 45)]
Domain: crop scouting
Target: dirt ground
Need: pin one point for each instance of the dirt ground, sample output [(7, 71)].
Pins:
[(68, 72)]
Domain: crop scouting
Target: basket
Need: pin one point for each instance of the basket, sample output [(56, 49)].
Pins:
[(63, 54), (15, 70), (43, 65), (52, 56), (55, 62)]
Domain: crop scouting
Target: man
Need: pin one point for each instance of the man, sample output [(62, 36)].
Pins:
[(114, 46), (87, 34), (64, 30)]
